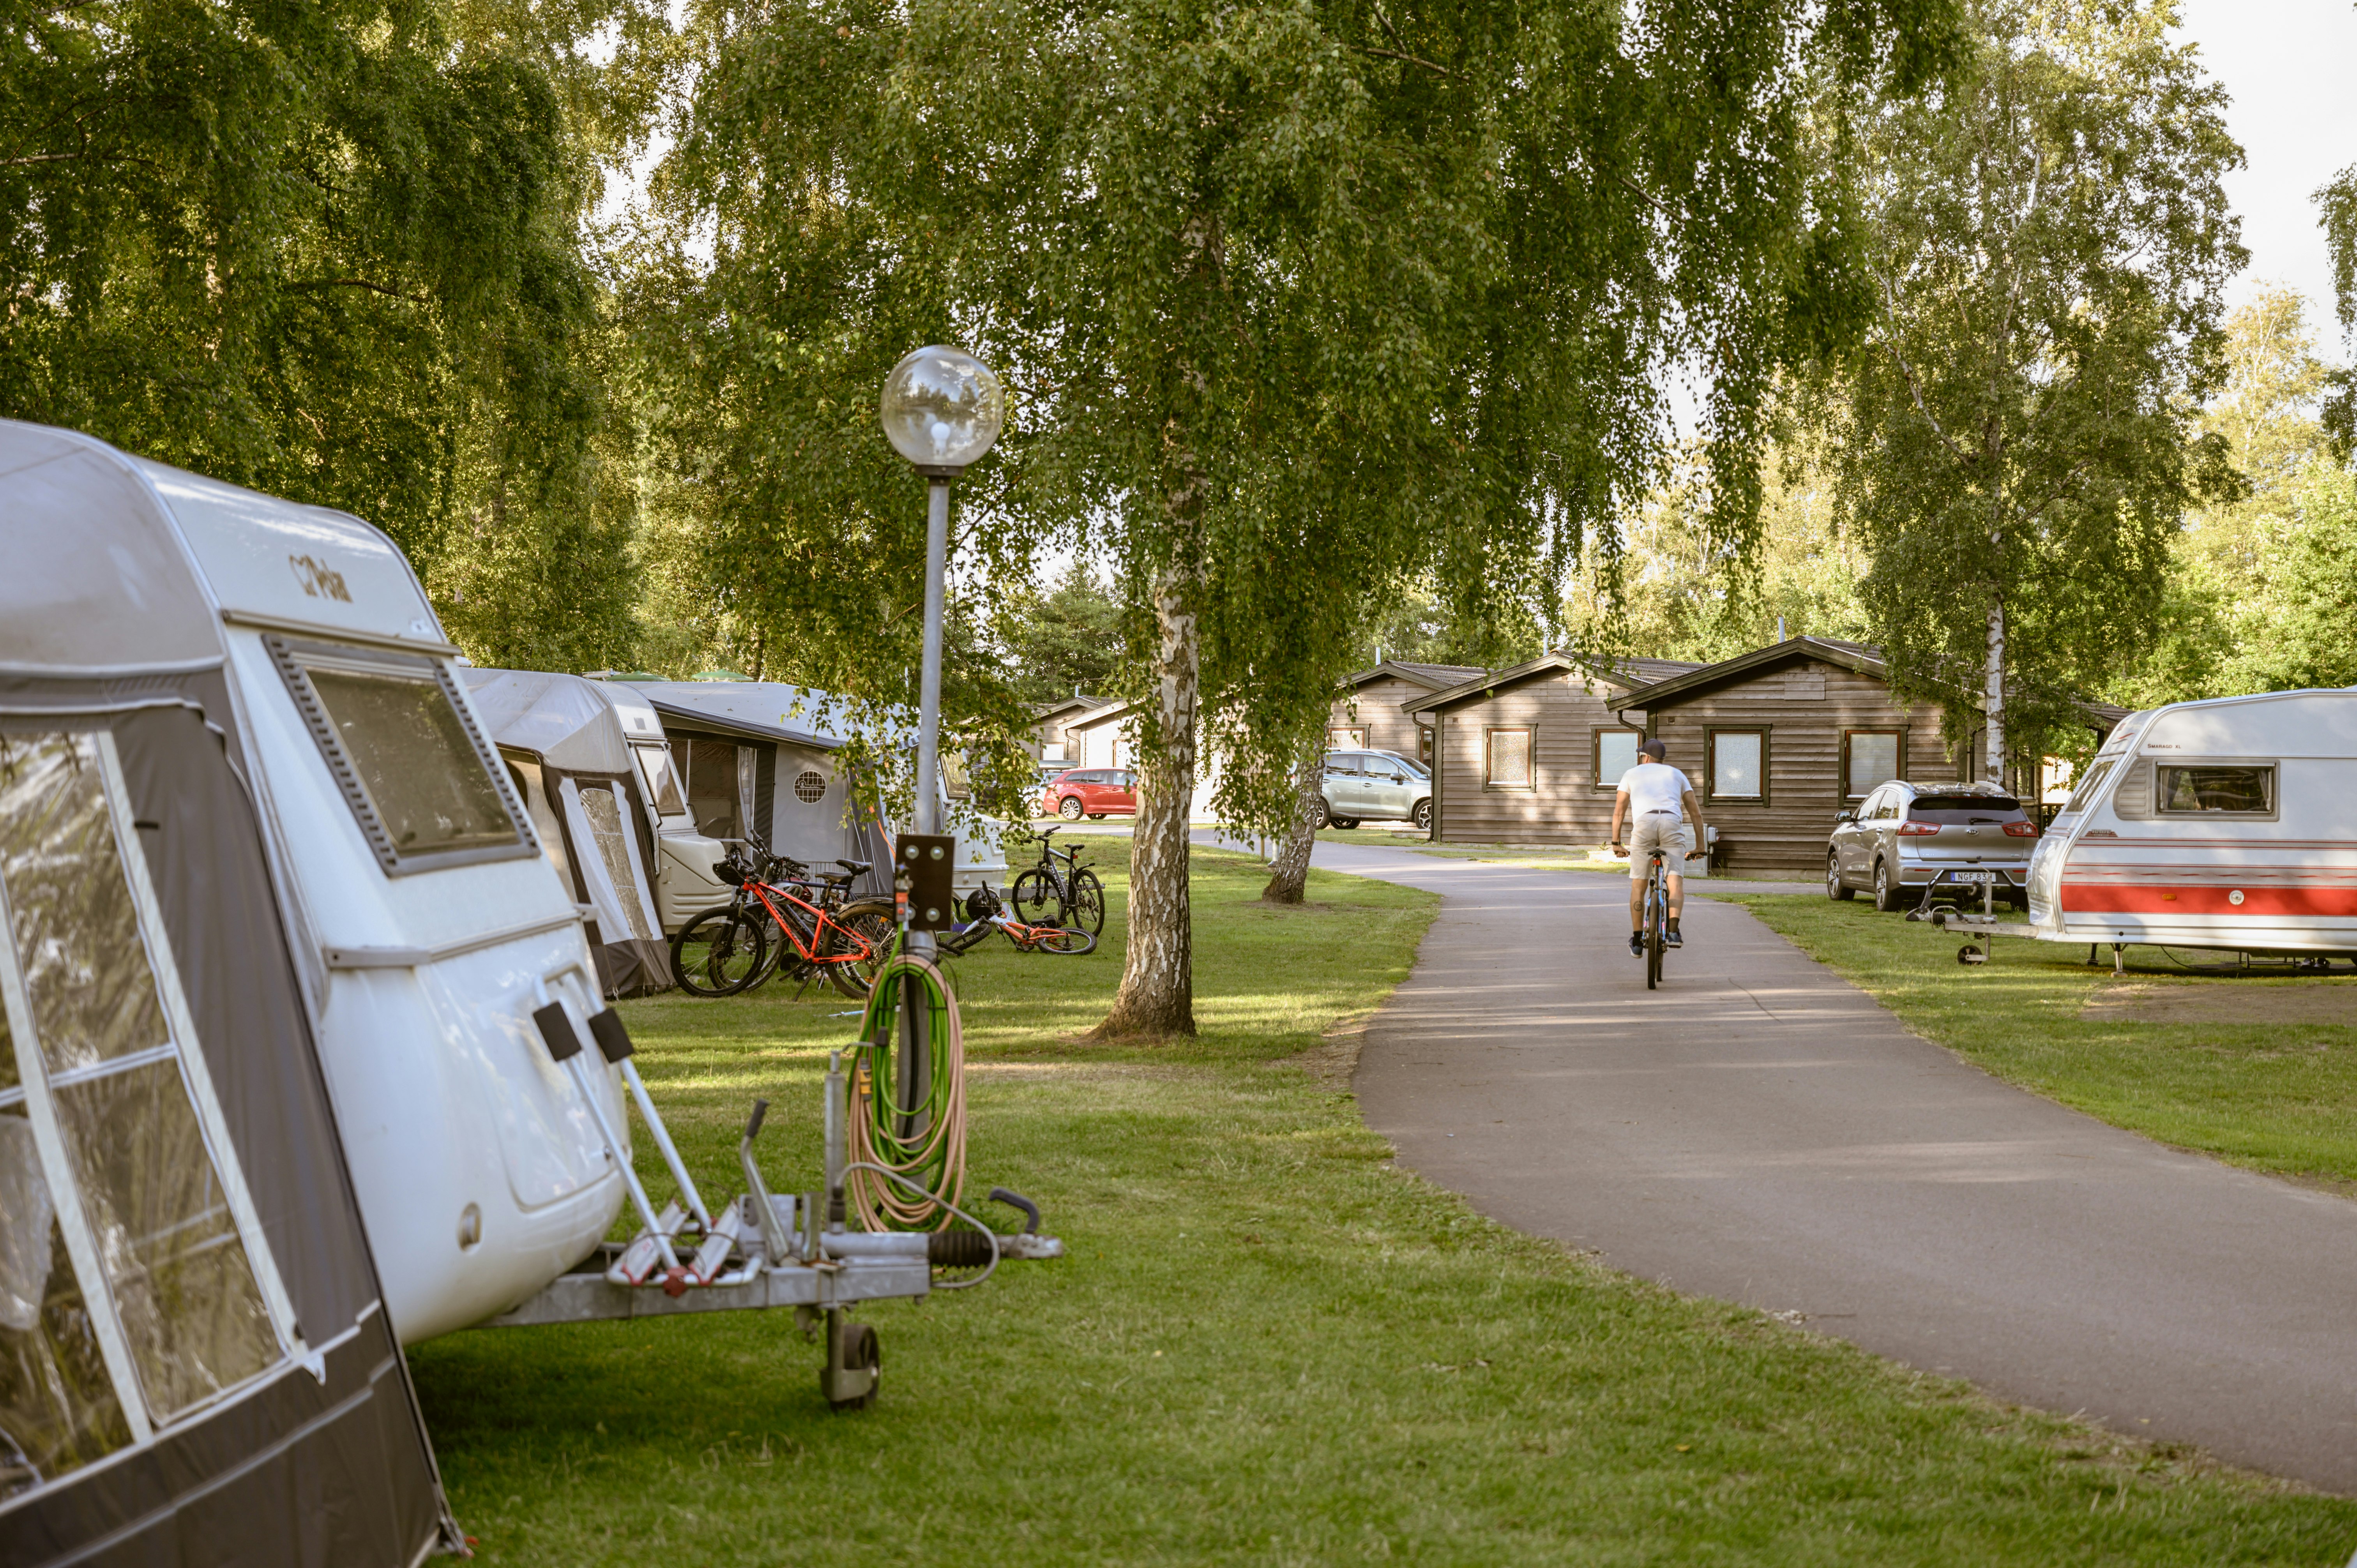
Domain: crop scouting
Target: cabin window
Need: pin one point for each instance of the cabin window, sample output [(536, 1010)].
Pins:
[(1510, 761), (1870, 758), (141, 1275), (1738, 764), (2213, 790), (1424, 746), (1341, 737), (662, 780), (1616, 753), (423, 782)]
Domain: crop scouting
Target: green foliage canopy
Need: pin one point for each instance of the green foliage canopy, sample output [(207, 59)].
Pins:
[(328, 250), (2049, 242)]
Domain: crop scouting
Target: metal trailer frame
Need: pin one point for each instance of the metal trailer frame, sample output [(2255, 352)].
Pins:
[(761, 1250)]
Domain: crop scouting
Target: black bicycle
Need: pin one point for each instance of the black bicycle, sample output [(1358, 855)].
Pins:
[(1060, 883), (1657, 917)]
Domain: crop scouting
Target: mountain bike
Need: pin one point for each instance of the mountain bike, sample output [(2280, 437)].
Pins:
[(984, 914), (783, 917), (1657, 917), (1060, 879)]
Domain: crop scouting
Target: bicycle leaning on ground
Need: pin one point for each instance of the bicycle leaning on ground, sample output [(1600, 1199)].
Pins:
[(984, 914), (783, 917), (1061, 879)]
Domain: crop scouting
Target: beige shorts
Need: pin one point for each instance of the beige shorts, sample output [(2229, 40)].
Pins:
[(1657, 829)]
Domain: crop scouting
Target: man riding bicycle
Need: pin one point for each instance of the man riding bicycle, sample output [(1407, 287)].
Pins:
[(1662, 798)]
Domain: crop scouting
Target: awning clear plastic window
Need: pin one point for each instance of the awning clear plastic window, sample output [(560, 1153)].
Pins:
[(134, 1288)]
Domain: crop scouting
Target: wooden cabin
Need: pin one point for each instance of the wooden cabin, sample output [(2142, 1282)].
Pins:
[(1371, 714), (1780, 741), (1534, 754)]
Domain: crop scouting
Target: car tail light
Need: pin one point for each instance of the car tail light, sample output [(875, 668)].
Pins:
[(2021, 830), (1917, 830)]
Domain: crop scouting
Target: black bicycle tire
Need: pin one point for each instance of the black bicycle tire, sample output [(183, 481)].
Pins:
[(1656, 913), (1029, 896), (872, 919), (1087, 906), (1051, 940), (711, 988)]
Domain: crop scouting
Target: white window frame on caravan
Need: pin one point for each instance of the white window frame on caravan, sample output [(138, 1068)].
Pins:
[(2270, 766), (37, 1089), (297, 656)]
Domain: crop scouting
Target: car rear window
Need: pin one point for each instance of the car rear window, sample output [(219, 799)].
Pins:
[(1946, 809)]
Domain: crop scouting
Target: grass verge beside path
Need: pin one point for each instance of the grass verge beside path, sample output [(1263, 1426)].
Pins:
[(2272, 1096), (1268, 1346)]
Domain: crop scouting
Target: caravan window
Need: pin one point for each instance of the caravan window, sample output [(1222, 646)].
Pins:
[(98, 1058), (2244, 790), (421, 781), (662, 780), (2084, 795)]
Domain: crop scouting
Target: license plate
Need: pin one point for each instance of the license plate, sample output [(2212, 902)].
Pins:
[(1972, 877)]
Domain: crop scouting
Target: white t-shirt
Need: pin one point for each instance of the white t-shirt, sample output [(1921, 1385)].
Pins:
[(1654, 787)]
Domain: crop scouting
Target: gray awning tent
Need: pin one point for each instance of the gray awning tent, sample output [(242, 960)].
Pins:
[(195, 1362), (786, 780), (571, 762)]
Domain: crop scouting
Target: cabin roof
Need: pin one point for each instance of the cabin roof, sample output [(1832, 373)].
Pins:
[(1625, 675)]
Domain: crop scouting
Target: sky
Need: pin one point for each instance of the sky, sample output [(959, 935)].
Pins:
[(2291, 66)]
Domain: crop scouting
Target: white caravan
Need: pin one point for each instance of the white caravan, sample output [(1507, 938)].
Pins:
[(754, 753), (2230, 824), (424, 924), (575, 758)]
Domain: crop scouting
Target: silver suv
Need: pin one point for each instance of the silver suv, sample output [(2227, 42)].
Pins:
[(1912, 841), (1375, 785)]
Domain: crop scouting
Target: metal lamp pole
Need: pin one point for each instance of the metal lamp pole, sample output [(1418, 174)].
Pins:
[(942, 410)]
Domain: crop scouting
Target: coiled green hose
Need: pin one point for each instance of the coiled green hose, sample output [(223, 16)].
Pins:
[(935, 1159)]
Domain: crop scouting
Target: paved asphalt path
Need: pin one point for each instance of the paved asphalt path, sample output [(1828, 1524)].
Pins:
[(1761, 1131)]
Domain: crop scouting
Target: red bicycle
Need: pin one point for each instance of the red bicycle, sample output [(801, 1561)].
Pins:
[(784, 916)]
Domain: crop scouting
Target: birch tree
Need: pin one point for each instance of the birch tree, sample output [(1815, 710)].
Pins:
[(1296, 302), (2049, 242)]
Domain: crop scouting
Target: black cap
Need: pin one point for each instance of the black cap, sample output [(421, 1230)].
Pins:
[(1654, 747)]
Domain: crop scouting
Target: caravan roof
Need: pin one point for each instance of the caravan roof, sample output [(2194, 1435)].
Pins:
[(759, 710)]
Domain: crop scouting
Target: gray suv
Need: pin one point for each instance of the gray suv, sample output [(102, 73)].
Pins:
[(1375, 785), (1907, 842)]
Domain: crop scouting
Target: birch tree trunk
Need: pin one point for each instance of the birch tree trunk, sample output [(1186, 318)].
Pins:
[(1157, 977), (1994, 698), (1290, 877)]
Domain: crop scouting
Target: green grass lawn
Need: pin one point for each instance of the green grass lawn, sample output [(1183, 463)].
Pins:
[(2278, 1097), (1267, 1345)]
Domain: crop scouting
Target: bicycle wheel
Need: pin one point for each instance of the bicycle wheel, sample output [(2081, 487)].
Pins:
[(1088, 903), (1033, 895), (866, 927), (719, 953), (1655, 917), (1065, 941)]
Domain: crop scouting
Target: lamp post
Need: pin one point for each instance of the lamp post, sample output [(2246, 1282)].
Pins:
[(942, 410)]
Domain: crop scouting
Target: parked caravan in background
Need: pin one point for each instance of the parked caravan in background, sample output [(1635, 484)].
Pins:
[(265, 920), (2229, 824), (567, 743), (754, 752)]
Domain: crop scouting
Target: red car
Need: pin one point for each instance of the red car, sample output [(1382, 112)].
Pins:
[(1091, 792)]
